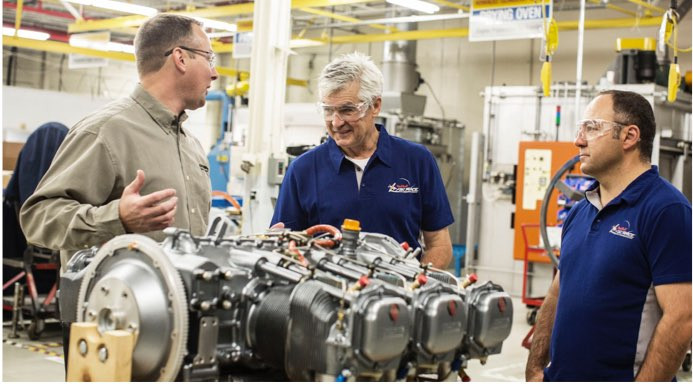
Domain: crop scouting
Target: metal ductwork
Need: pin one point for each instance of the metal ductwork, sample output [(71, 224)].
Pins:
[(401, 77)]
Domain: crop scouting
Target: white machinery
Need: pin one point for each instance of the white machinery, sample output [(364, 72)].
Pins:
[(520, 114)]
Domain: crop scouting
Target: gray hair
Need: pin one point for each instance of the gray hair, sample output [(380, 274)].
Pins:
[(159, 34), (346, 69)]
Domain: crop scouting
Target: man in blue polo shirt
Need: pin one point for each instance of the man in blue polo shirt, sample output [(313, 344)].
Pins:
[(620, 307), (390, 185)]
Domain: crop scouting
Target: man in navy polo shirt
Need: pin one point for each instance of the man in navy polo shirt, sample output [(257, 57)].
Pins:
[(390, 185), (620, 307)]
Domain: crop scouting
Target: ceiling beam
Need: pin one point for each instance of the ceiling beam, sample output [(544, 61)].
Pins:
[(39, 10), (104, 24), (211, 12), (348, 19), (648, 6), (58, 47), (615, 8), (452, 5), (464, 32), (612, 23), (421, 34)]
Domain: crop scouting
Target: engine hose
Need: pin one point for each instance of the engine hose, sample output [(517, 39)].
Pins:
[(327, 243), (228, 198), (545, 206), (294, 251)]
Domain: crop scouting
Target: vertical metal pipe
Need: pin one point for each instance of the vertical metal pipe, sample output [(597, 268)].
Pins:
[(581, 43), (473, 198), (457, 202), (17, 304), (537, 117), (11, 65), (399, 63), (42, 79)]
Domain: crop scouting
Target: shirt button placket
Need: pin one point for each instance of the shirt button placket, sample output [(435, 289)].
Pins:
[(595, 224)]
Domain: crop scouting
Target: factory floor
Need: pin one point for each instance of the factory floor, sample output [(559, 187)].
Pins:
[(26, 360)]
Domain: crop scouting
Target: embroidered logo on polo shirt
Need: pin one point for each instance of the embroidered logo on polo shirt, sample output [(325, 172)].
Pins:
[(623, 231), (402, 186)]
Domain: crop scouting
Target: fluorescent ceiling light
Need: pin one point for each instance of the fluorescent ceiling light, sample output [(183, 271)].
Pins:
[(303, 43), (216, 24), (417, 5), (76, 41), (149, 11), (118, 6), (26, 34), (417, 18), (120, 47)]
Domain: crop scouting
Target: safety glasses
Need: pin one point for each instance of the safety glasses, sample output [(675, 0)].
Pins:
[(210, 56), (346, 112), (591, 129)]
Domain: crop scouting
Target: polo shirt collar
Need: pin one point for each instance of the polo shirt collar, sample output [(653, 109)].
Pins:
[(161, 115), (630, 195), (382, 150)]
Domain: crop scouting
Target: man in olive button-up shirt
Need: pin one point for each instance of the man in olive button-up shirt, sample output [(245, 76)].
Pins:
[(131, 167)]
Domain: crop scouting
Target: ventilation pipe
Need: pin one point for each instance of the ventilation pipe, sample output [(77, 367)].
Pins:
[(401, 77)]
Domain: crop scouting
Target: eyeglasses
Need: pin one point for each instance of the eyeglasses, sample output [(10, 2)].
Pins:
[(346, 112), (211, 57), (591, 129)]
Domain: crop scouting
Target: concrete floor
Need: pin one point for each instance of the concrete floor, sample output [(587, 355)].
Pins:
[(25, 360)]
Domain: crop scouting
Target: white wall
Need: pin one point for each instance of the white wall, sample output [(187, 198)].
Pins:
[(25, 109), (50, 71)]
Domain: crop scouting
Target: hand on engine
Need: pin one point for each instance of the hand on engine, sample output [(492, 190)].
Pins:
[(278, 225), (147, 213)]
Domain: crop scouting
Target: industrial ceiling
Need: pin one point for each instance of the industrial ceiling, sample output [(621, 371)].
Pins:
[(320, 22)]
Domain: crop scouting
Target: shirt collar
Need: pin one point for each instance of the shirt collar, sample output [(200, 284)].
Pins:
[(169, 122), (382, 150), (630, 195)]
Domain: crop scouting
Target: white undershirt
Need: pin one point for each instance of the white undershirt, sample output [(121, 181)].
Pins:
[(359, 166)]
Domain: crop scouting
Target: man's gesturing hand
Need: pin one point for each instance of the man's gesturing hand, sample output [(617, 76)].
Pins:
[(151, 212)]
